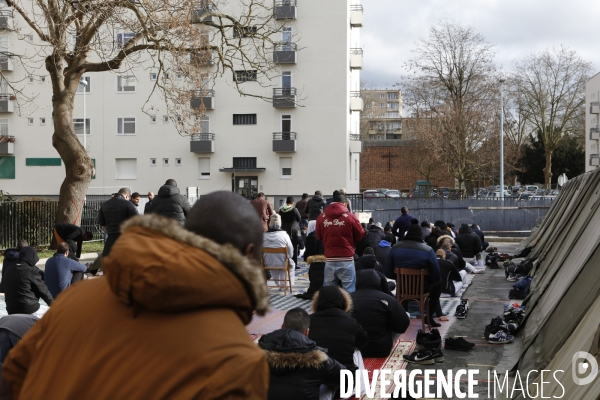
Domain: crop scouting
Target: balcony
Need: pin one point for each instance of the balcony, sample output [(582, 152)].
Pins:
[(6, 63), (356, 58), (203, 97), (7, 145), (356, 16), (594, 160), (199, 14), (595, 107), (6, 103), (284, 142), (285, 9), (355, 144), (594, 134), (202, 58), (5, 20), (356, 102), (284, 97), (285, 53), (202, 143)]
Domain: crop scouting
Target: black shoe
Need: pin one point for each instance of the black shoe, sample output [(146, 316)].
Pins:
[(461, 311), (431, 340), (438, 356), (434, 324), (420, 357), (458, 344)]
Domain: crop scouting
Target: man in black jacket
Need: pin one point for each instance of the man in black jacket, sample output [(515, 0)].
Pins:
[(148, 206), (379, 314), (374, 234), (170, 202), (314, 207), (24, 285), (468, 242), (11, 258), (112, 214), (73, 235), (298, 367)]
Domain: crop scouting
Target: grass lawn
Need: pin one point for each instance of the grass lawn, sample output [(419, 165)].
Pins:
[(88, 247)]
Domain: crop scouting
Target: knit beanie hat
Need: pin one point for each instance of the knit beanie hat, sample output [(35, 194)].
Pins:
[(414, 233)]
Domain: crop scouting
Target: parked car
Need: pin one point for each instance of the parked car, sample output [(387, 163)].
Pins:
[(382, 190), (394, 194), (372, 194)]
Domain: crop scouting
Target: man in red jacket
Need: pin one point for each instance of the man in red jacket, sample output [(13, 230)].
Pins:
[(338, 229)]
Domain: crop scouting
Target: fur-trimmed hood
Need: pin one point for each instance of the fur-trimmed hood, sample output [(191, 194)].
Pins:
[(158, 265), (286, 350), (316, 259), (445, 236), (331, 297)]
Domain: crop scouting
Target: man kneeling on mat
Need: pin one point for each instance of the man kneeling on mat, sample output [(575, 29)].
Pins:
[(62, 271)]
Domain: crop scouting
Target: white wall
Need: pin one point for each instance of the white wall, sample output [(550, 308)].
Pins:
[(592, 94)]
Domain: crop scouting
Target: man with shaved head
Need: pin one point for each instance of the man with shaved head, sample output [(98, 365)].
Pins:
[(169, 312)]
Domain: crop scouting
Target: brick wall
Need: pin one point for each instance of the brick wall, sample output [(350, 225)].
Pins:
[(375, 172)]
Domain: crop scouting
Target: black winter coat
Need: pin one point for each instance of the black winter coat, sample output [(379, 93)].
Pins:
[(365, 274), (368, 261), (331, 326), (468, 242), (449, 274), (381, 253), (314, 207), (114, 212), (289, 223), (361, 246), (374, 236), (73, 235), (379, 314), (11, 257), (171, 203), (24, 284), (298, 367)]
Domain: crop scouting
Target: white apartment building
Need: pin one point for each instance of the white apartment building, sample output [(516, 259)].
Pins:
[(247, 144), (592, 123)]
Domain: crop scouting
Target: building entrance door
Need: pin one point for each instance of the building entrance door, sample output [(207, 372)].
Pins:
[(247, 186)]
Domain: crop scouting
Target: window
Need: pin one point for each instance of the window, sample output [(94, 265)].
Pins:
[(392, 96), (78, 126), (165, 119), (393, 115), (285, 165), (123, 38), (286, 127), (245, 76), (244, 162), (126, 168), (88, 87), (153, 162), (205, 124), (126, 83), (153, 76), (245, 31), (30, 38), (42, 79), (166, 162), (43, 121), (178, 75), (355, 169), (393, 106), (368, 105), (29, 121), (30, 79), (153, 119), (126, 126), (382, 96), (244, 119), (382, 105), (178, 161), (203, 167), (3, 44), (4, 126)]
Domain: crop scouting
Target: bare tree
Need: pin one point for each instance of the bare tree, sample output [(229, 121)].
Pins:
[(552, 87), (179, 39), (453, 80)]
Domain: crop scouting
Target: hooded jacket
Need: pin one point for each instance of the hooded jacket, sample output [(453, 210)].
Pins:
[(170, 203), (301, 207), (413, 253), (339, 230), (379, 314), (169, 312), (454, 255), (332, 326), (449, 275), (374, 235), (314, 207), (382, 250), (468, 242), (298, 367), (24, 285), (274, 239), (401, 225), (11, 256), (290, 217), (114, 212)]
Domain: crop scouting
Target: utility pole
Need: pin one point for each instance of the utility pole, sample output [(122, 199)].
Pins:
[(502, 80)]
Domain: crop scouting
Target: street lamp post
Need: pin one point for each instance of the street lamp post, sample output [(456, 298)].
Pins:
[(502, 80), (84, 83)]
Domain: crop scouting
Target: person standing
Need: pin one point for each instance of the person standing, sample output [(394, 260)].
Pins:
[(148, 206), (112, 214), (135, 199), (402, 223), (170, 315), (61, 271), (169, 202), (290, 219), (263, 209), (314, 206), (338, 230), (301, 206)]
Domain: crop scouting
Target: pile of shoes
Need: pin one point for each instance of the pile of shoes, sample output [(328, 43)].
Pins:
[(429, 349), (492, 260), (462, 309), (458, 344), (514, 313), (502, 330)]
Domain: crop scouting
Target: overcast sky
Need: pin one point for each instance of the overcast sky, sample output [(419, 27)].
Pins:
[(516, 28)]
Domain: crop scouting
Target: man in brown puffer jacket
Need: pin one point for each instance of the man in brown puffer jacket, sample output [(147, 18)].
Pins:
[(165, 322)]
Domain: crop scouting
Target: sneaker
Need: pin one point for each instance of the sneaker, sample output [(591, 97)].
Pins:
[(420, 357), (458, 344), (500, 337), (461, 312), (431, 340), (438, 356), (465, 302), (512, 278)]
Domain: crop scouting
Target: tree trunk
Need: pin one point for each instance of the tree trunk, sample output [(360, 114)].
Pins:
[(79, 168), (548, 170)]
